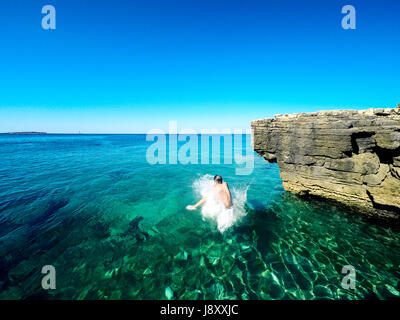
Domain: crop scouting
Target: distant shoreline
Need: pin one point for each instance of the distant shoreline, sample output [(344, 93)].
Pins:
[(27, 132)]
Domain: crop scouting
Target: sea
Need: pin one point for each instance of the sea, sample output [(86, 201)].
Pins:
[(114, 225)]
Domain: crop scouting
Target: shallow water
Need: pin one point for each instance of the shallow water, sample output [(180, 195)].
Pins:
[(115, 227)]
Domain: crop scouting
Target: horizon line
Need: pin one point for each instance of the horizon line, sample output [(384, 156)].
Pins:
[(104, 133)]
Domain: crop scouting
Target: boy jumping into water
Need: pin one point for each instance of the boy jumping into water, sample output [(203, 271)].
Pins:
[(222, 191)]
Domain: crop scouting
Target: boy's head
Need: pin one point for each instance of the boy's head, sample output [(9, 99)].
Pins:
[(218, 179)]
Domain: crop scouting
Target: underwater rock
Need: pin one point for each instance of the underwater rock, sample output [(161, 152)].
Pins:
[(169, 294), (21, 200), (135, 230), (134, 224), (392, 290), (100, 230), (116, 295), (118, 174), (147, 271), (322, 292), (213, 260), (182, 255), (153, 231), (23, 270), (348, 156), (110, 273)]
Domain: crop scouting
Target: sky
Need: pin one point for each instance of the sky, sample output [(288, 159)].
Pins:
[(132, 66)]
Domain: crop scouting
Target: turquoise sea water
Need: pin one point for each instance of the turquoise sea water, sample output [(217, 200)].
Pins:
[(115, 227)]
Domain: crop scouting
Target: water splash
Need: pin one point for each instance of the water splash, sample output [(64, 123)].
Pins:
[(214, 210)]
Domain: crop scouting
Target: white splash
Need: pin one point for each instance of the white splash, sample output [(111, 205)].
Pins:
[(214, 209)]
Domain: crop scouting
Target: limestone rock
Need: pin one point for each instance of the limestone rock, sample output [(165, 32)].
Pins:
[(345, 155)]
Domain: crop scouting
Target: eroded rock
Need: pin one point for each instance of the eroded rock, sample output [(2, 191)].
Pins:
[(345, 155)]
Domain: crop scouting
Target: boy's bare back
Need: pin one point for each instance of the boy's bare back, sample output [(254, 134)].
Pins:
[(224, 194)]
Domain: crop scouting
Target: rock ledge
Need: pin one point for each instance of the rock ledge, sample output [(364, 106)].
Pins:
[(348, 156)]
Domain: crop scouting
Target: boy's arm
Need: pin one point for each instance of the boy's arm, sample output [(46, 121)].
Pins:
[(202, 201)]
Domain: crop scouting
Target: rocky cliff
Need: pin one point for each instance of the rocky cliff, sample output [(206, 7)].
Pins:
[(349, 156)]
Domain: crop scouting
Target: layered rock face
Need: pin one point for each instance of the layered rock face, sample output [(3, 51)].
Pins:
[(349, 156)]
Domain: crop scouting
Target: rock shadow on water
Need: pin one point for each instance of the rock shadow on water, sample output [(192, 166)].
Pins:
[(348, 212)]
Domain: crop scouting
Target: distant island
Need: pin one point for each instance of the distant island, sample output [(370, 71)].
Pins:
[(27, 132)]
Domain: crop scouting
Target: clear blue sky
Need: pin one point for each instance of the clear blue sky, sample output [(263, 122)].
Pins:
[(129, 66)]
